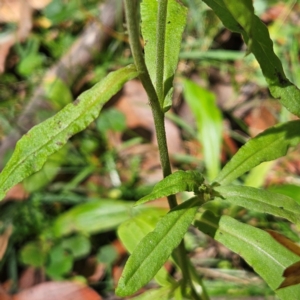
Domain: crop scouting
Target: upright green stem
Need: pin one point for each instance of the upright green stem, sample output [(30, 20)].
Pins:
[(132, 21), (157, 108), (160, 48), (158, 114)]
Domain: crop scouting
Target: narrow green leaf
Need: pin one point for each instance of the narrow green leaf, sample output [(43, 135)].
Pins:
[(290, 190), (267, 257), (176, 20), (257, 176), (155, 248), (131, 232), (179, 181), (92, 217), (268, 145), (239, 17), (209, 124), (220, 9), (165, 293), (34, 148), (168, 100), (261, 201)]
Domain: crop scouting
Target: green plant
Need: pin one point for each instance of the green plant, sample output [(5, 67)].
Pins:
[(160, 236)]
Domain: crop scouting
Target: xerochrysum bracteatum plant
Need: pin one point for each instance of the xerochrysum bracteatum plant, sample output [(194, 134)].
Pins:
[(161, 25)]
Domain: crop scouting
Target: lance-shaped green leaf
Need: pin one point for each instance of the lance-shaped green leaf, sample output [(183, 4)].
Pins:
[(267, 257), (209, 124), (131, 232), (261, 201), (175, 23), (33, 149), (179, 181), (101, 215), (268, 145), (165, 293), (155, 248), (239, 17)]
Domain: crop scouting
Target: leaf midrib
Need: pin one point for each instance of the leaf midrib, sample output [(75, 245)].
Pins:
[(243, 238), (157, 245)]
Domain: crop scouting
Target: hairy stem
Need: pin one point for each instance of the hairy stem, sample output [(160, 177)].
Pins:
[(158, 114), (157, 109)]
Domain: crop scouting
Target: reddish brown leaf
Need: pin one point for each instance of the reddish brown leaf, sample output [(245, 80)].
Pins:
[(259, 119), (284, 241), (4, 295), (292, 275), (38, 4), (119, 247), (274, 12), (135, 106), (16, 193), (31, 277), (58, 290)]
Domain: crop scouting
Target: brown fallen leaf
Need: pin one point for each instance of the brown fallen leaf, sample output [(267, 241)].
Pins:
[(291, 273), (16, 193), (284, 241), (260, 118), (15, 11), (58, 290), (38, 4), (4, 295), (30, 277), (135, 106), (274, 12), (12, 10)]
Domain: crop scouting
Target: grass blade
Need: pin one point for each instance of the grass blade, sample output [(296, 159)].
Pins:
[(209, 124)]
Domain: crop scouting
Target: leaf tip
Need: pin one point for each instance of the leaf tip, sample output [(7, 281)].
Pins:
[(139, 202)]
